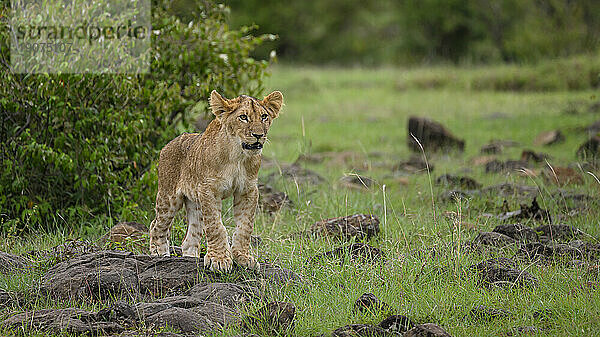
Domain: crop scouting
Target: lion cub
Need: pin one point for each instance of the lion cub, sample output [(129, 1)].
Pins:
[(199, 171)]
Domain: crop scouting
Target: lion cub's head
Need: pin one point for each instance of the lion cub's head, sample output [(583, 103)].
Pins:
[(247, 118)]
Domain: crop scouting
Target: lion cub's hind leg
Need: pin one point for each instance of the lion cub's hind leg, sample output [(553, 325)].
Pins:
[(166, 208), (191, 243)]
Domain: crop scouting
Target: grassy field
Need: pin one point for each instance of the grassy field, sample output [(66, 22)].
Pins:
[(426, 276)]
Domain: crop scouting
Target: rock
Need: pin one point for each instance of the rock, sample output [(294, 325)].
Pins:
[(427, 330), (491, 148), (128, 231), (416, 164), (432, 135), (488, 314), (497, 166), (271, 200), (278, 275), (397, 324), (530, 156), (590, 149), (454, 195), (458, 181), (558, 232), (299, 174), (482, 160), (549, 138), (361, 330), (509, 190), (538, 249), (593, 128), (562, 176), (356, 181), (368, 302), (359, 226), (10, 263), (108, 274), (532, 212), (66, 251), (517, 231), (229, 294), (70, 320), (493, 239), (275, 318), (359, 252), (503, 271)]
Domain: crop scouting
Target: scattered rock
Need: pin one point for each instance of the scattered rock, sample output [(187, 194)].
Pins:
[(557, 232), (271, 200), (66, 251), (517, 231), (368, 302), (427, 330), (594, 127), (361, 330), (128, 232), (493, 239), (454, 195), (356, 252), (503, 271), (416, 164), (509, 190), (299, 174), (229, 294), (275, 318), (69, 320), (482, 160), (360, 226), (10, 263), (491, 148), (549, 138), (432, 135), (497, 166), (538, 249), (356, 181), (108, 274), (278, 275), (562, 176), (532, 212), (590, 149), (534, 157), (488, 314), (397, 324), (458, 181)]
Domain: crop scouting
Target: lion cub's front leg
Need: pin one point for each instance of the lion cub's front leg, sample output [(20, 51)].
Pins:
[(244, 207), (218, 253)]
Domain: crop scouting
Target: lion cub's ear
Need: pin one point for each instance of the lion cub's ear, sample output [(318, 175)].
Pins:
[(273, 102), (219, 104)]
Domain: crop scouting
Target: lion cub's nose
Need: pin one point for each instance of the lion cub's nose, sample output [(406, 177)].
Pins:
[(258, 135)]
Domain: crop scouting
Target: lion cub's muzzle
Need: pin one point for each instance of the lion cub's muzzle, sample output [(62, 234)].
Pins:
[(252, 146)]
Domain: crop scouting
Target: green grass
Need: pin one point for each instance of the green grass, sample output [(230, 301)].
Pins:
[(426, 276)]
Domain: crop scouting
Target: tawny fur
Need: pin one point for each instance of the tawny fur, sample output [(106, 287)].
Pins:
[(199, 171)]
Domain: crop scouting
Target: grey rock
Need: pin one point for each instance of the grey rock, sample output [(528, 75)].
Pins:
[(432, 135), (503, 271), (275, 318), (361, 330), (359, 226), (10, 263), (517, 231), (427, 330), (493, 239), (368, 302)]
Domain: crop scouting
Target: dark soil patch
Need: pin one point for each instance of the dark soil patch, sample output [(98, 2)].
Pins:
[(503, 272)]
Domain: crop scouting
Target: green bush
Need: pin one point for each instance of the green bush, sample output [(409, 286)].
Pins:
[(79, 146)]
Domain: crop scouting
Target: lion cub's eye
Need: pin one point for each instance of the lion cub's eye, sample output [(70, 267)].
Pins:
[(264, 117), (243, 118)]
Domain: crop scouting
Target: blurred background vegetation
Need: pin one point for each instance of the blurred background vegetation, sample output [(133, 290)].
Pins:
[(82, 148), (374, 32)]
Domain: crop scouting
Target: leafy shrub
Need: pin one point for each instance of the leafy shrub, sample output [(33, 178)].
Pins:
[(75, 146)]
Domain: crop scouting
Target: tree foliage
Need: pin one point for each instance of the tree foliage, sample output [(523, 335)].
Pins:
[(78, 145), (416, 31)]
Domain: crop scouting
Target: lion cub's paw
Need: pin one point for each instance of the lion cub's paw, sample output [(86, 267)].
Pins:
[(219, 263), (246, 260)]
